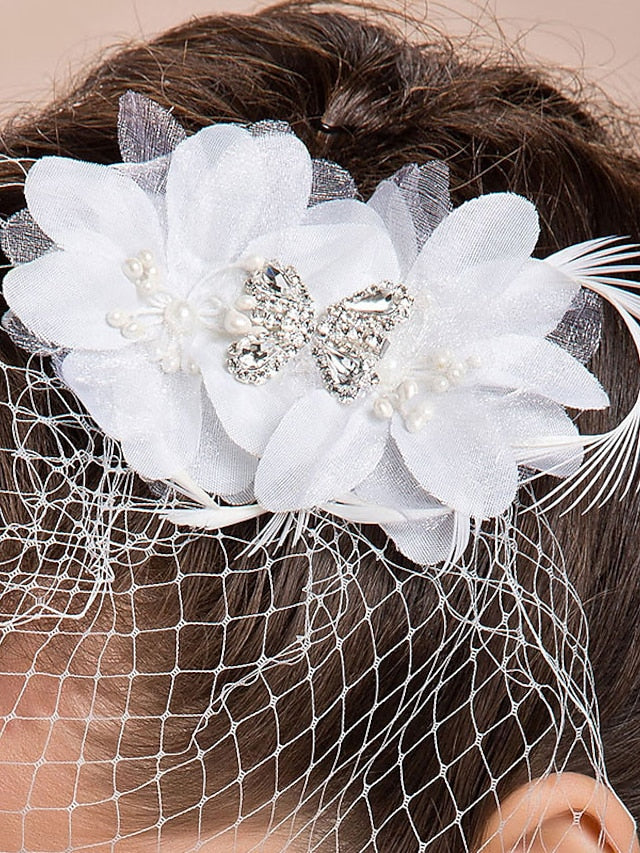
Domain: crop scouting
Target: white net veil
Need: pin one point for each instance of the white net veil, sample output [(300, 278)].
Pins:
[(289, 682)]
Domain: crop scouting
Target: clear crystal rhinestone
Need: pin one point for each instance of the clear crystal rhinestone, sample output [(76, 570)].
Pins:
[(376, 302)]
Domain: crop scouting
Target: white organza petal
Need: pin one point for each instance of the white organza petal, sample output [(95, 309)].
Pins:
[(460, 457), (321, 450), (526, 420), (533, 303), (220, 466), (64, 298), (541, 367), (485, 229), (428, 536), (333, 261), (470, 258), (344, 212), (215, 190), (288, 176), (388, 202), (433, 541), (155, 417), (392, 485), (21, 238), (249, 413), (71, 200)]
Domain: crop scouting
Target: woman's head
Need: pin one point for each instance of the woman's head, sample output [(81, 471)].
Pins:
[(325, 693)]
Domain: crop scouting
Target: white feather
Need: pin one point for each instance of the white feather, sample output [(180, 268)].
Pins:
[(611, 458), (214, 517)]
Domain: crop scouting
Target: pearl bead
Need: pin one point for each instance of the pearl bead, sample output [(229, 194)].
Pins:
[(179, 315), (456, 371), (133, 269), (146, 286), (417, 419), (442, 359), (414, 422), (407, 390), (252, 263), (474, 362), (171, 363), (213, 306), (383, 408), (193, 368), (133, 331), (146, 258), (236, 323), (117, 319), (440, 384), (246, 302)]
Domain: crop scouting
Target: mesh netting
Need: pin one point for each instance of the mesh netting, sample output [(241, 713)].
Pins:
[(309, 690)]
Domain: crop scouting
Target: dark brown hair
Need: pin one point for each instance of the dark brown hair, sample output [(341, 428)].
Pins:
[(359, 94)]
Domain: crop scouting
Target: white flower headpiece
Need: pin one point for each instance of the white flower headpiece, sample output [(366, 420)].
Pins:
[(253, 334)]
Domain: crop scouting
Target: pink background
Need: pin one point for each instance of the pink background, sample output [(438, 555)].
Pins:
[(43, 41)]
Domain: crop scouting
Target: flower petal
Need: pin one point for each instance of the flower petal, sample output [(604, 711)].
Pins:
[(92, 208), (22, 240), (480, 231), (434, 541), (250, 413), (214, 190), (428, 535), (470, 258), (155, 416), (220, 466), (333, 261), (389, 204), (145, 129), (321, 450), (526, 420), (460, 458), (64, 298), (392, 485), (533, 303), (541, 367), (288, 175)]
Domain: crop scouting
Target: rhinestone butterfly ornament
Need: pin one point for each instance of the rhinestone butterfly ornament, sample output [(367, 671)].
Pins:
[(347, 340)]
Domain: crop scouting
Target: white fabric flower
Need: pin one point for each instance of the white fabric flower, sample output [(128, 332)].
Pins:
[(468, 383), (141, 287)]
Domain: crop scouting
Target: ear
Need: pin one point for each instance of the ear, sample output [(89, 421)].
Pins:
[(564, 813)]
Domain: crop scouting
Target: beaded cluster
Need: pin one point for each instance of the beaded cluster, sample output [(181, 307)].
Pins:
[(163, 320), (414, 396)]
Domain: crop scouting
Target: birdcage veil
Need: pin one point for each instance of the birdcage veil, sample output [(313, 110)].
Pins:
[(345, 413)]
